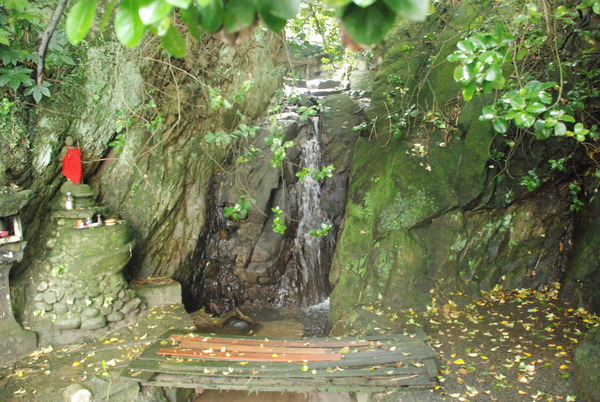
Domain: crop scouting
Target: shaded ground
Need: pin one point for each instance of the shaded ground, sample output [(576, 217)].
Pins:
[(506, 346)]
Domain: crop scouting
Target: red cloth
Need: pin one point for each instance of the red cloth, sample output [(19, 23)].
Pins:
[(71, 164)]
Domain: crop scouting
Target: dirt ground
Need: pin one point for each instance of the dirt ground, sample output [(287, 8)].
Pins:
[(506, 346)]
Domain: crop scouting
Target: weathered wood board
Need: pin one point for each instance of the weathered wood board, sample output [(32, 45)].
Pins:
[(206, 361)]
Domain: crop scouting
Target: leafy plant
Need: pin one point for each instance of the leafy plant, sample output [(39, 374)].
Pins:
[(278, 146), (240, 209), (531, 181), (278, 223), (325, 171), (322, 232)]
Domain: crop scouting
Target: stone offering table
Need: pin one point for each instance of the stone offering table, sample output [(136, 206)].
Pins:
[(15, 342)]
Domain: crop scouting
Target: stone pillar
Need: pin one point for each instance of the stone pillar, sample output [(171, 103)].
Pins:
[(15, 342)]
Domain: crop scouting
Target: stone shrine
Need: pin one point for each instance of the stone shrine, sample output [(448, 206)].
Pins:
[(78, 290)]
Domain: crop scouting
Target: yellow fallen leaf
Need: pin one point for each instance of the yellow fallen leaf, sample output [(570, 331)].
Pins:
[(564, 367), (484, 357), (75, 364), (459, 361)]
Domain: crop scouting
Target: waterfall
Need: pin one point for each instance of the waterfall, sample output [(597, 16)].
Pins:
[(306, 279)]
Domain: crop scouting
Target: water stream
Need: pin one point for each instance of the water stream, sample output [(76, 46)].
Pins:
[(306, 277)]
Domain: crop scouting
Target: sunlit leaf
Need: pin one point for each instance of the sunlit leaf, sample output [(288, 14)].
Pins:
[(128, 25), (153, 11), (79, 20), (174, 42)]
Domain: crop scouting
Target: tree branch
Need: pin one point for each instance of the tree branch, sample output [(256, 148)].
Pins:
[(46, 36)]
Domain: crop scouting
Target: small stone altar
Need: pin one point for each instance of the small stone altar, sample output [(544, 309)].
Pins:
[(79, 291), (15, 342)]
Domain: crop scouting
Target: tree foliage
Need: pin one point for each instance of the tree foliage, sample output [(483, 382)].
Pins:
[(367, 21)]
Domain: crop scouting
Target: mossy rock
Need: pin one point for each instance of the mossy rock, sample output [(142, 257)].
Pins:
[(587, 360)]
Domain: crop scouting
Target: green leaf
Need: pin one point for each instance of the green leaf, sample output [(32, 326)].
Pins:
[(283, 9), (38, 92), (128, 25), (79, 20), (524, 120), (368, 25), (276, 24), (468, 91), (567, 118), (466, 46), (174, 42), (337, 3), (154, 11), (493, 73), (364, 3), (500, 125), (487, 113), (211, 12), (411, 9), (238, 15), (191, 17), (536, 108), (180, 3), (560, 129)]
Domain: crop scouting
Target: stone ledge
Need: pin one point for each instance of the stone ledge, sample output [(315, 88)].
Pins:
[(158, 291)]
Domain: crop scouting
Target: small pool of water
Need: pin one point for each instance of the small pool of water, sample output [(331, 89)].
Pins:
[(313, 318)]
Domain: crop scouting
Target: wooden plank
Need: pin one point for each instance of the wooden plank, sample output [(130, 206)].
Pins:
[(306, 383), (250, 356), (250, 348), (272, 342), (252, 387), (373, 364), (292, 370)]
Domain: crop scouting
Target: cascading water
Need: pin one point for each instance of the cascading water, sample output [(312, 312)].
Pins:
[(306, 280)]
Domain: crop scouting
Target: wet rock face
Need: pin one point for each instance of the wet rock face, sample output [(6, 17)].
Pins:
[(245, 261)]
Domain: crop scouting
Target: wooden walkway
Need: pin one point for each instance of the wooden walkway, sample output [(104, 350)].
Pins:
[(369, 364)]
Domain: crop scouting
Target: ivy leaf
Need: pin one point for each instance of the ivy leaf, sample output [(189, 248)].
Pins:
[(153, 11), (173, 42), (411, 9), (128, 25), (211, 12), (238, 15), (369, 25), (79, 20)]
